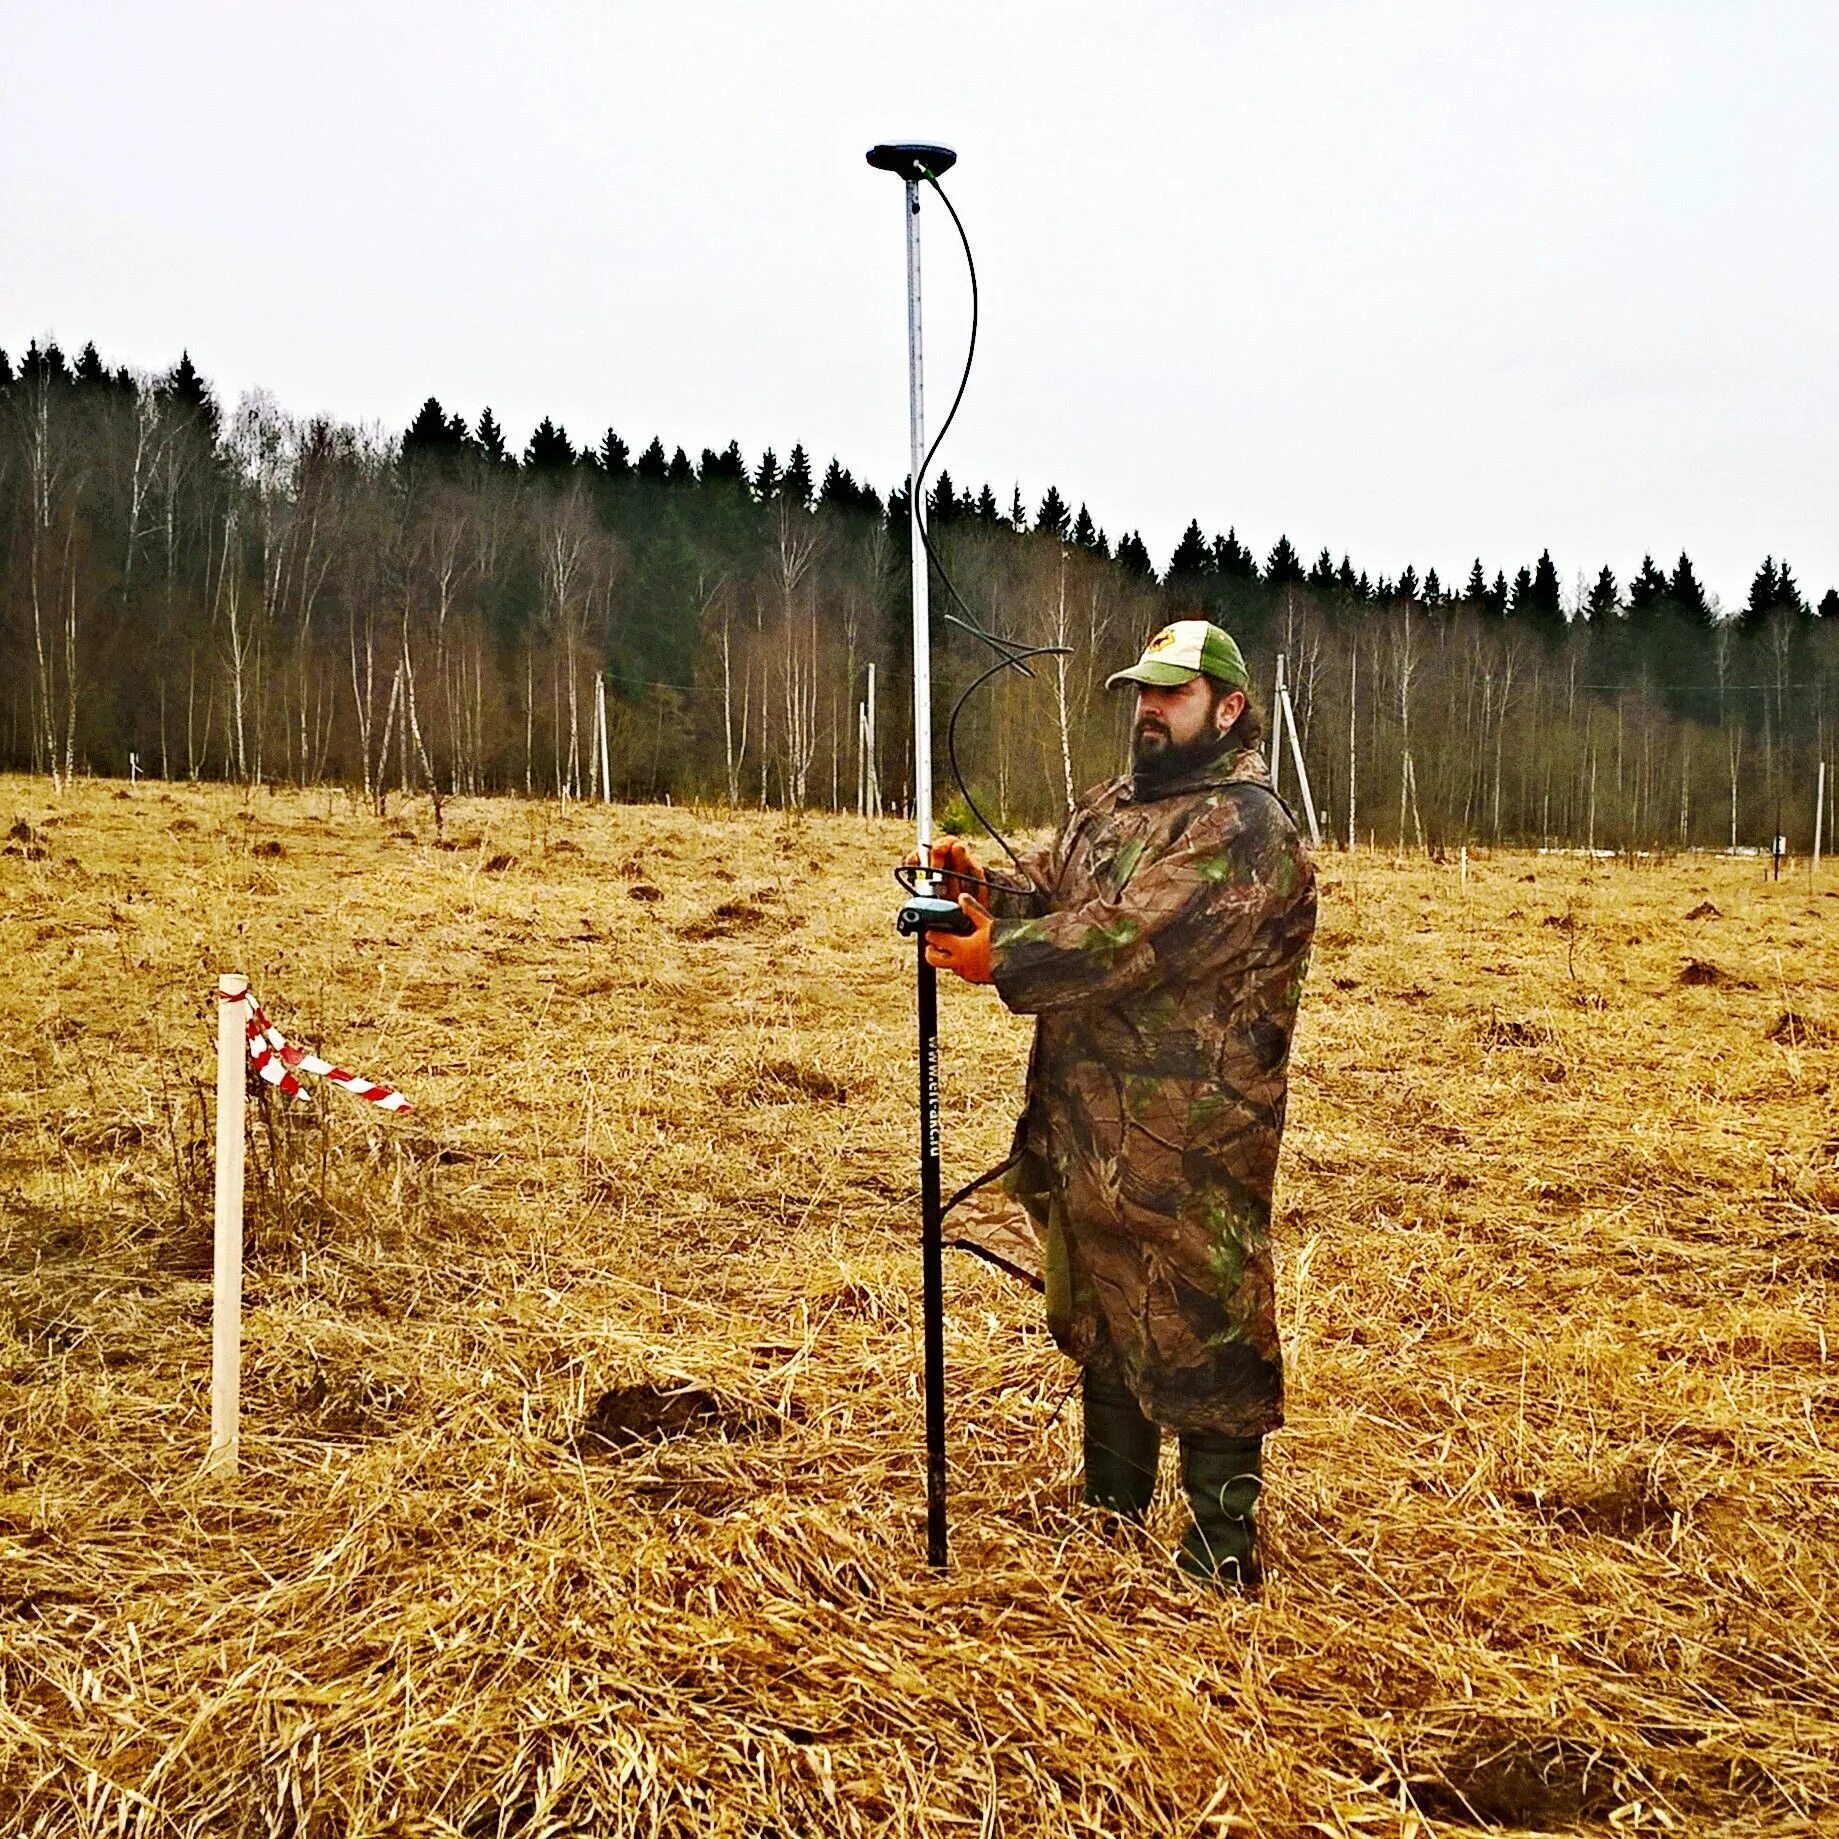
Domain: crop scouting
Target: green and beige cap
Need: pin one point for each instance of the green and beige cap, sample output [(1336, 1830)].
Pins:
[(1179, 653)]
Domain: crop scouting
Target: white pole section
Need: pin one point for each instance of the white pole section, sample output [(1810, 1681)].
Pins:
[(1353, 705), (874, 758), (1277, 729), (1302, 772), (922, 631), (606, 769), (1819, 816), (227, 1249)]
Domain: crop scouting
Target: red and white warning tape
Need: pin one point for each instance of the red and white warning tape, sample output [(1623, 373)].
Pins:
[(277, 1059)]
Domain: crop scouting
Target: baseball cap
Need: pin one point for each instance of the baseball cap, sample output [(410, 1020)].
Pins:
[(1189, 648)]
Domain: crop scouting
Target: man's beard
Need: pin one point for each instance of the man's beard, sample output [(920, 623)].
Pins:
[(1157, 764)]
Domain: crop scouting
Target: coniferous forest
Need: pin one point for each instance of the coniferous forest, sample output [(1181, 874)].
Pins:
[(194, 592)]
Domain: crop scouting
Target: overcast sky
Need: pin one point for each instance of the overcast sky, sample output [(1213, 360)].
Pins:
[(1413, 280)]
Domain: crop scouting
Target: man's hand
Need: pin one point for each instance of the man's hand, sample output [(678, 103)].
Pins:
[(967, 953), (954, 864)]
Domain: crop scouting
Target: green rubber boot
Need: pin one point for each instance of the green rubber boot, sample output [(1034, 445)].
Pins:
[(1221, 1477), (1121, 1446)]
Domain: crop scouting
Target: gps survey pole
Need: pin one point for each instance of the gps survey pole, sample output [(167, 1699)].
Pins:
[(914, 164)]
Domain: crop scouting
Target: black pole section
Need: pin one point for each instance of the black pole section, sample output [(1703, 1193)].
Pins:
[(932, 1258)]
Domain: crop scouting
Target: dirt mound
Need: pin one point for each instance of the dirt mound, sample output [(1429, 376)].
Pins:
[(627, 1417), (1706, 910), (1539, 1784), (738, 916), (785, 1082), (1792, 1029), (1701, 973), (1631, 1503)]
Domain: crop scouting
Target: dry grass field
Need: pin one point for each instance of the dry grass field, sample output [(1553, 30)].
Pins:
[(580, 1486)]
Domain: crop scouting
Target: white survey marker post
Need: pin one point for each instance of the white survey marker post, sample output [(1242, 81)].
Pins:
[(227, 1246)]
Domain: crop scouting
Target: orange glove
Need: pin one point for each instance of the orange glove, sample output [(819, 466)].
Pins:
[(951, 861), (967, 953)]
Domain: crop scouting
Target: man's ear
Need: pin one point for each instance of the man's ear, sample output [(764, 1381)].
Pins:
[(1228, 710)]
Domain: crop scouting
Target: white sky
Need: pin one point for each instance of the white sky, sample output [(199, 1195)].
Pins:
[(1415, 280)]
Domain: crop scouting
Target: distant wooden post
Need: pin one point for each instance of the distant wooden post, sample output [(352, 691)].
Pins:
[(1302, 772), (1819, 817), (227, 1250), (600, 726), (1353, 700), (874, 756), (1277, 709)]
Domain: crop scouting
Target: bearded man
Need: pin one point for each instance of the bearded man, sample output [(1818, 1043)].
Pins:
[(1160, 941)]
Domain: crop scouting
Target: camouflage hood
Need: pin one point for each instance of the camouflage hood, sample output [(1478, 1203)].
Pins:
[(1160, 941)]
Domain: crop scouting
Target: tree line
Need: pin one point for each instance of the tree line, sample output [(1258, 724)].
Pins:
[(193, 593)]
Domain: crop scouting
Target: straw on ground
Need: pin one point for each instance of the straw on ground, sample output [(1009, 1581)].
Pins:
[(580, 1481)]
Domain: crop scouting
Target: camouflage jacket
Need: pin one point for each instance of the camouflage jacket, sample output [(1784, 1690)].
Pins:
[(1161, 942)]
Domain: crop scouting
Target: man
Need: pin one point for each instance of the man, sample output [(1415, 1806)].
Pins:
[(1161, 942)]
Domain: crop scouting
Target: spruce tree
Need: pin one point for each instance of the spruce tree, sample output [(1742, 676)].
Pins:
[(1347, 583), (766, 476), (550, 451), (1604, 602), (942, 500), (796, 484), (491, 440), (1053, 517), (838, 491), (1829, 604), (90, 368), (1085, 533), (45, 364), (1497, 594), (1408, 583), (1232, 560), (1475, 589), (1433, 589), (1543, 605), (1322, 574), (681, 471), (1133, 557), (1685, 594), (654, 463), (1647, 589), (1520, 595), (428, 435), (1283, 567), (987, 509), (183, 386), (1788, 593), (6, 371), (1018, 513), (1192, 558), (1761, 602), (729, 466)]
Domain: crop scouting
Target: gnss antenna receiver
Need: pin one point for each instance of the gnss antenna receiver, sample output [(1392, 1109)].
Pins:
[(916, 163)]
